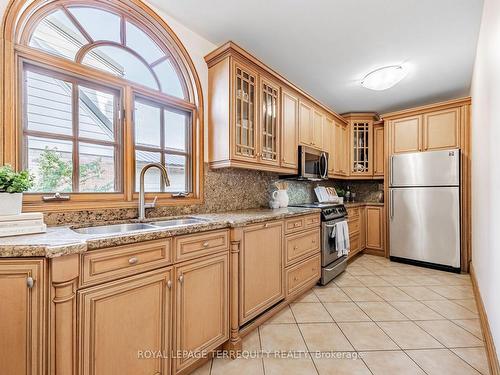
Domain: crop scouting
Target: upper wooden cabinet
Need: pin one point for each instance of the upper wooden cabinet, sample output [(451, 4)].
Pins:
[(426, 129), (341, 150), (378, 150), (329, 144), (22, 312), (256, 117), (290, 128)]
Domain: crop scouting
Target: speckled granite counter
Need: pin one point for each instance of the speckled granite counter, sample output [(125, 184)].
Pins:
[(60, 241), (361, 204)]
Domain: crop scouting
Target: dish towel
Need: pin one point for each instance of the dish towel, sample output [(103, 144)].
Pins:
[(342, 238)]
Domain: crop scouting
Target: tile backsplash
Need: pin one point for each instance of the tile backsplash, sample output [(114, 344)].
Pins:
[(225, 190)]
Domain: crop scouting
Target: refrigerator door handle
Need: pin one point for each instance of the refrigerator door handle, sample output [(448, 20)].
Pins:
[(391, 168), (391, 203)]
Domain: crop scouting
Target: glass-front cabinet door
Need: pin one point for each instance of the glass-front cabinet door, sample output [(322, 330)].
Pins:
[(245, 109), (361, 143), (269, 123)]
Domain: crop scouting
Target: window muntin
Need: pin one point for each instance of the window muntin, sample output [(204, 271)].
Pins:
[(163, 134), (71, 134)]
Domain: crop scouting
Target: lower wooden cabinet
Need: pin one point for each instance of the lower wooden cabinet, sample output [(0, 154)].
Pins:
[(122, 322), (366, 229), (22, 316), (261, 267), (202, 308), (374, 228)]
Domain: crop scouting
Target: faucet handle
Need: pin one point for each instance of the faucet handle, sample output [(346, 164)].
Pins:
[(152, 204)]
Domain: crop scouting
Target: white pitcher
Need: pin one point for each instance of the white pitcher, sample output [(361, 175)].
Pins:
[(282, 197)]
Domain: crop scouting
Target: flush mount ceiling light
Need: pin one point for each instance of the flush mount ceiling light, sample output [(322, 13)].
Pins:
[(384, 78)]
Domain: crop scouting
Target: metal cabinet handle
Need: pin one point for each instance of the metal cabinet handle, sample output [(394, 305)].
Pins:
[(133, 260), (266, 225), (181, 279), (295, 278), (30, 282), (169, 284), (205, 244)]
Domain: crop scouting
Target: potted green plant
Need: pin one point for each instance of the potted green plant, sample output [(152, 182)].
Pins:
[(12, 186)]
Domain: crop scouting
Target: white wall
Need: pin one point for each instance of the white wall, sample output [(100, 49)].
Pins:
[(485, 94), (196, 46)]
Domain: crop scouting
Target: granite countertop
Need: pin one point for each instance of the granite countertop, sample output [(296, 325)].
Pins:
[(360, 204), (58, 241)]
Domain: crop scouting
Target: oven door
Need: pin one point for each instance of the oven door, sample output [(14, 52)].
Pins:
[(329, 242)]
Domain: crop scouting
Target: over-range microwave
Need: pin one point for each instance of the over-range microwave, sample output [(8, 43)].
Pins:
[(313, 164)]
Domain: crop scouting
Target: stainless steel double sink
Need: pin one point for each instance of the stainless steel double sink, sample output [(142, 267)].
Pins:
[(136, 227)]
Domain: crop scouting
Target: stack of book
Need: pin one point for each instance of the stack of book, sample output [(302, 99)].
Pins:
[(28, 223)]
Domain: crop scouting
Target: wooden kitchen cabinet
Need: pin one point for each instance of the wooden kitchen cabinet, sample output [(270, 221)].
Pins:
[(306, 124), (341, 157), (289, 130), (362, 228), (406, 134), (22, 316), (119, 319), (441, 129), (361, 148), (261, 269), (375, 228), (317, 131), (329, 144), (202, 312), (269, 125), (378, 150)]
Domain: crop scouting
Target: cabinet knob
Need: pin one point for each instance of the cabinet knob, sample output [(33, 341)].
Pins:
[(181, 279), (205, 244), (313, 241), (295, 278), (30, 282), (133, 260), (169, 284), (295, 247), (266, 225)]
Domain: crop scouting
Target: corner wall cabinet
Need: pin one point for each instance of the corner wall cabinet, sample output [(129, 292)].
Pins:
[(341, 150), (433, 127), (257, 118), (378, 149)]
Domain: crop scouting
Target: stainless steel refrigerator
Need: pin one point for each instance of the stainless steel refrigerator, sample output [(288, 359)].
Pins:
[(424, 208)]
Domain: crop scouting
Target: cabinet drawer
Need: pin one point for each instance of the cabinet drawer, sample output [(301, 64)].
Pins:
[(194, 245), (312, 221), (354, 242), (302, 274), (354, 226), (120, 261), (302, 245), (353, 213), (295, 224)]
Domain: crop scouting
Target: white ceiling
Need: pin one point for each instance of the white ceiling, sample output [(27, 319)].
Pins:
[(327, 46)]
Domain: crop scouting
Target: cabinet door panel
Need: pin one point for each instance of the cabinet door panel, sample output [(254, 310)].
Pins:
[(120, 319), (22, 316), (442, 129), (406, 134), (360, 149), (378, 150), (305, 124), (290, 128), (341, 139), (374, 228), (202, 310), (317, 130), (269, 134), (329, 144), (261, 265)]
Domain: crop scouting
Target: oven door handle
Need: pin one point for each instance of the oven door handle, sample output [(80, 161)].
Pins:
[(330, 226)]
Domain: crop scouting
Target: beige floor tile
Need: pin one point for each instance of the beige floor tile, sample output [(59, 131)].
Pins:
[(476, 357), (450, 310), (391, 293), (441, 362), (324, 337), (449, 334), (346, 312), (228, 366), (471, 325), (347, 280), (251, 342), (416, 310), (453, 291), (289, 366), (409, 336), (362, 293), (331, 294), (310, 313), (421, 293), (284, 316), (381, 311), (373, 281), (308, 297), (447, 280), (203, 370), (367, 336), (278, 337), (391, 363), (424, 280), (359, 271), (399, 280), (469, 304), (385, 272), (341, 366)]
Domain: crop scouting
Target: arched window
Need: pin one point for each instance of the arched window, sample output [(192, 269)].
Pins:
[(100, 89)]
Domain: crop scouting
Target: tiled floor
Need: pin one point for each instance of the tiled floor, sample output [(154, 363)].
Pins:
[(378, 317)]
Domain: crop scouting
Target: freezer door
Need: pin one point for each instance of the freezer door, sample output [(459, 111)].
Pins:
[(431, 168), (425, 224)]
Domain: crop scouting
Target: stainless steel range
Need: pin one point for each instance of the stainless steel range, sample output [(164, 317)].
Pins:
[(332, 263)]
